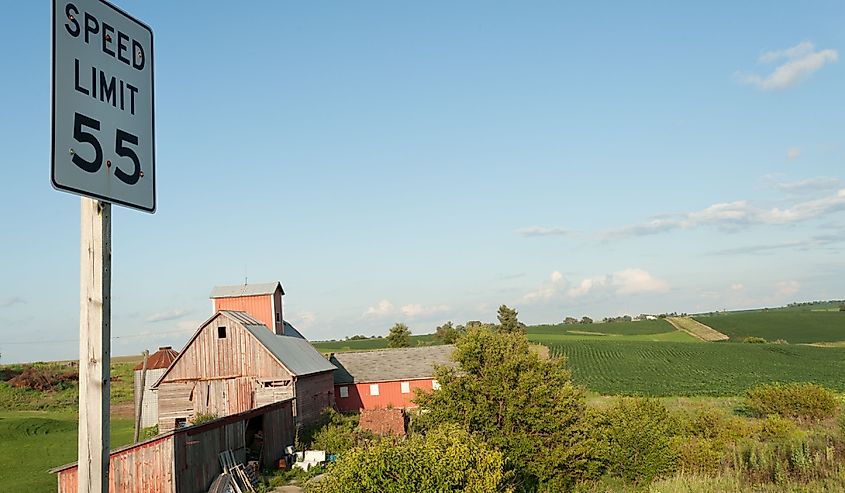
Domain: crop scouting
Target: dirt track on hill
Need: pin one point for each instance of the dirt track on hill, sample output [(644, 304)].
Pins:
[(697, 329)]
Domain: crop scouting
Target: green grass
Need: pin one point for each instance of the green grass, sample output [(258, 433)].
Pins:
[(643, 327), (675, 336), (682, 369), (792, 325), (31, 442)]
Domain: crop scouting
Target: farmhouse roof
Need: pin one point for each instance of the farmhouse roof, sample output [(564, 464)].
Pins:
[(159, 359), (245, 290), (386, 365)]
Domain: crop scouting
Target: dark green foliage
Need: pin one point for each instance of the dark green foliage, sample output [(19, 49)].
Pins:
[(336, 433), (508, 321), (754, 340), (447, 458), (635, 438), (796, 400), (201, 418), (448, 333), (586, 320), (400, 336), (677, 368), (518, 402)]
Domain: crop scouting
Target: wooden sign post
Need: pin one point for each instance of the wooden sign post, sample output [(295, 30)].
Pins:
[(94, 346)]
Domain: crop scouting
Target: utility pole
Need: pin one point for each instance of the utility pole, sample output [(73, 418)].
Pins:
[(94, 346)]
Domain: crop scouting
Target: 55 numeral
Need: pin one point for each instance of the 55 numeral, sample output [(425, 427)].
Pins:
[(121, 139)]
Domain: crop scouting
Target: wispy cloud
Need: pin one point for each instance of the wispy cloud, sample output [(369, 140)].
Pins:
[(381, 309), (812, 243), (798, 63), (787, 288), (541, 231), (173, 314), (808, 185), (12, 300), (733, 215), (624, 282), (792, 153), (303, 319), (416, 310)]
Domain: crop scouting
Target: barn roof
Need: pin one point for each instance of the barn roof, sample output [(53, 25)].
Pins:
[(386, 365), (159, 359), (245, 290), (297, 354)]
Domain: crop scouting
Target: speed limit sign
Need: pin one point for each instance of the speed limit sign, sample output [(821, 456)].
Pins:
[(103, 104)]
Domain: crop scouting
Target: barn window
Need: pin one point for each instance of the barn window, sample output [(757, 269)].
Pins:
[(374, 389), (344, 392), (221, 332), (406, 387), (435, 385), (278, 317)]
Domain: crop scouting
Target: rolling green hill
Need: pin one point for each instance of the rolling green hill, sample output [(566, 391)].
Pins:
[(792, 325)]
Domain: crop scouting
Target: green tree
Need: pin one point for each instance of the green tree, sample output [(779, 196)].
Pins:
[(445, 459), (448, 333), (399, 336), (570, 320), (508, 321), (519, 403), (586, 320)]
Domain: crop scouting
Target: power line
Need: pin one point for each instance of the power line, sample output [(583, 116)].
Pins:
[(65, 341)]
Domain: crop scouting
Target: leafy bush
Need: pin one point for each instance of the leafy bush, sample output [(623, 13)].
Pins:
[(446, 459), (336, 433), (708, 437), (796, 400), (201, 418), (635, 439), (754, 340)]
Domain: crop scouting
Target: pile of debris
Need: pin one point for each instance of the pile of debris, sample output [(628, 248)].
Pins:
[(236, 477)]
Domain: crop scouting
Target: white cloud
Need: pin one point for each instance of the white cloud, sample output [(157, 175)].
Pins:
[(416, 310), (547, 290), (737, 287), (799, 62), (733, 215), (625, 282), (541, 231), (172, 314), (303, 319), (635, 281), (383, 308), (13, 300), (808, 185), (787, 288), (792, 153)]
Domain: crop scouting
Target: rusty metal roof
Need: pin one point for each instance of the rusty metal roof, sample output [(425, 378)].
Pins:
[(159, 359), (245, 290), (386, 365)]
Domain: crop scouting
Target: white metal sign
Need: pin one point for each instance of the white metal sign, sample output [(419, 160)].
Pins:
[(103, 104)]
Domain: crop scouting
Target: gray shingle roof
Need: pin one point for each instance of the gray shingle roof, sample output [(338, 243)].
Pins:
[(245, 290), (297, 354), (385, 365)]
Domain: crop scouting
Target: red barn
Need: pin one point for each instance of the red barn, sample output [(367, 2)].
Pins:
[(262, 301), (386, 377)]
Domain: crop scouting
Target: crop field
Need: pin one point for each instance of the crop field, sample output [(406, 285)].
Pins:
[(31, 442), (689, 369), (643, 327), (795, 326)]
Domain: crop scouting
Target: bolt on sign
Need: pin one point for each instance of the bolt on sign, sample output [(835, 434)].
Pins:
[(103, 104)]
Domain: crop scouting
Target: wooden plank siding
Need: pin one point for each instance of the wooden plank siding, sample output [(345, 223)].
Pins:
[(186, 460), (314, 393)]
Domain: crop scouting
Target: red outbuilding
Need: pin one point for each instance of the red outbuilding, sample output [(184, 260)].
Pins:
[(386, 377)]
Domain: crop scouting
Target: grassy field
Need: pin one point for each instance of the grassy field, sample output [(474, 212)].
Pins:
[(792, 325), (687, 369), (644, 327), (367, 344), (31, 442)]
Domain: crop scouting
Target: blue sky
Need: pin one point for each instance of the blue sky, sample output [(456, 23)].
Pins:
[(427, 162)]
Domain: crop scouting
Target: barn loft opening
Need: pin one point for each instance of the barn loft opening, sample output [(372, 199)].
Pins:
[(221, 332)]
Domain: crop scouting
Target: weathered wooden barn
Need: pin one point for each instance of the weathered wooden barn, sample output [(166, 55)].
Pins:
[(234, 363), (186, 460), (157, 364), (386, 377)]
